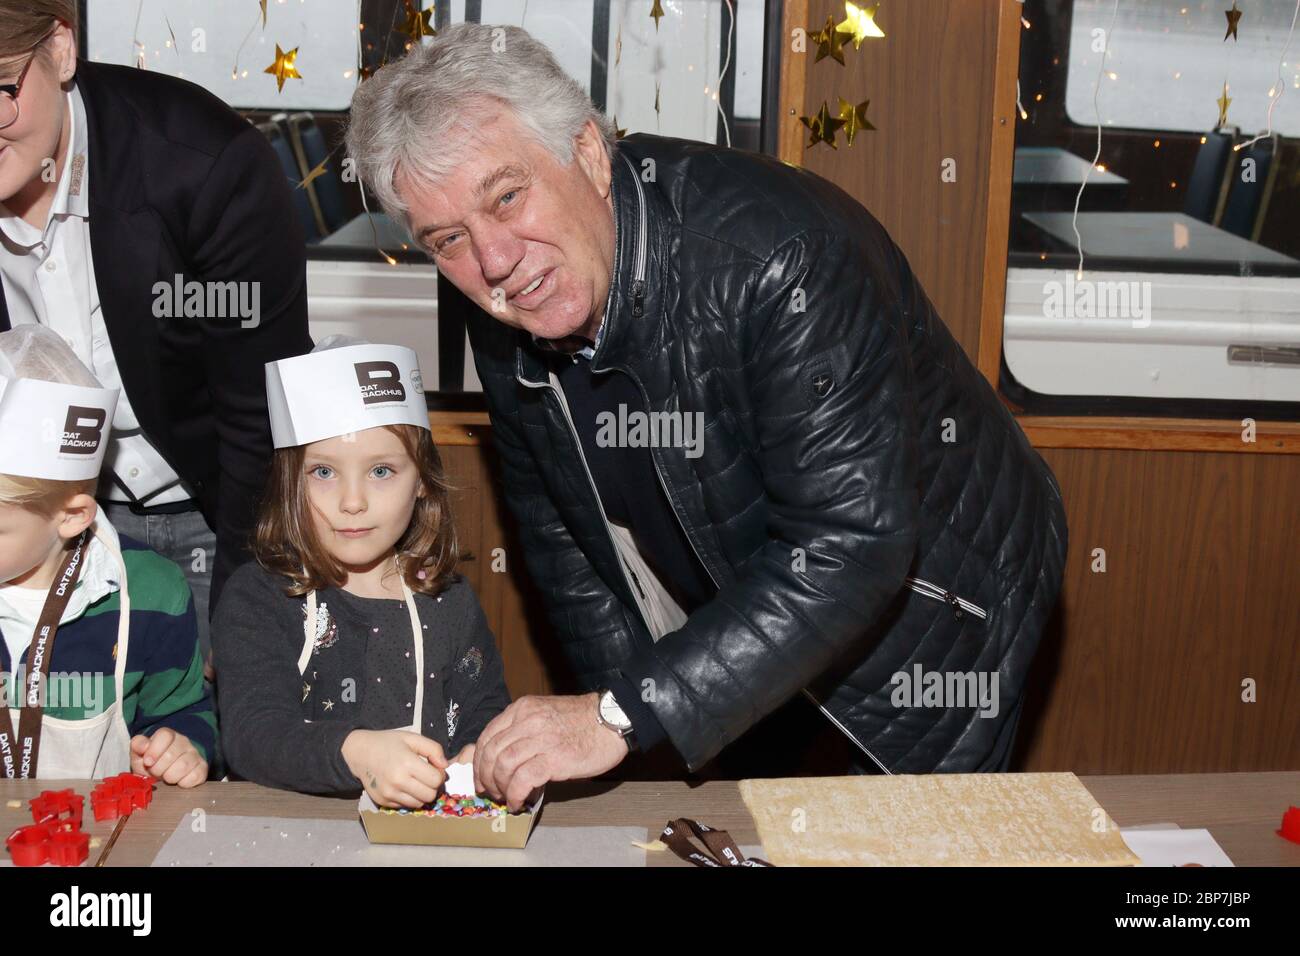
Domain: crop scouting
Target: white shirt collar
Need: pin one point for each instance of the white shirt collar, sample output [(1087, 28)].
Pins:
[(100, 575)]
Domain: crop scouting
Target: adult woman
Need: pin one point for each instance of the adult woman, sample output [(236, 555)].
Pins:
[(118, 187)]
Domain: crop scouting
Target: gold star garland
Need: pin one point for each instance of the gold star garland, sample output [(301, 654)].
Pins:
[(419, 23), (283, 68), (657, 13), (823, 127), (1224, 102), (860, 24), (1233, 15), (855, 118)]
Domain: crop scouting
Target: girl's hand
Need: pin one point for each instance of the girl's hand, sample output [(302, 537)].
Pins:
[(168, 756), (396, 767)]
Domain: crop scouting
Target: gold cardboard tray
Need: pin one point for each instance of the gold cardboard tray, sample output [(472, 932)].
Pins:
[(508, 832)]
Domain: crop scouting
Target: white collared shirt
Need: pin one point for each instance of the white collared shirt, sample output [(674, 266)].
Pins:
[(49, 278)]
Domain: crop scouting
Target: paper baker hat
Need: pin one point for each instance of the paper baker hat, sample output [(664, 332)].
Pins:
[(343, 385), (55, 419)]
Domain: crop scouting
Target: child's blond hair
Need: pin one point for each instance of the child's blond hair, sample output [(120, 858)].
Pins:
[(44, 496)]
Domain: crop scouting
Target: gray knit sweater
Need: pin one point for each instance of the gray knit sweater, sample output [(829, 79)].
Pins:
[(286, 730)]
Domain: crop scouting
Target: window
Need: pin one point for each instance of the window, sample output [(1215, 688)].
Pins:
[(1169, 62), (223, 47), (1175, 288)]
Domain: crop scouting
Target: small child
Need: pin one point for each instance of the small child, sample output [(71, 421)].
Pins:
[(100, 650), (321, 686)]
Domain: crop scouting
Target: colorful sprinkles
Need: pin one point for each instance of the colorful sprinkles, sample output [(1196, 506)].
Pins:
[(446, 806)]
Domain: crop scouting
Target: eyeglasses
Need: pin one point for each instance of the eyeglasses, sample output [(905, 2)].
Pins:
[(9, 91)]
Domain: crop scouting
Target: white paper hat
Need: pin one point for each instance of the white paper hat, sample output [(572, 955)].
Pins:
[(55, 419), (343, 385)]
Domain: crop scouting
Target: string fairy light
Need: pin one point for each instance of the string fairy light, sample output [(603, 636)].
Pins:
[(1275, 93), (731, 30), (1096, 108)]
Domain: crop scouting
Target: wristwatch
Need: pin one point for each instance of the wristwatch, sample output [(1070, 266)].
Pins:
[(611, 715)]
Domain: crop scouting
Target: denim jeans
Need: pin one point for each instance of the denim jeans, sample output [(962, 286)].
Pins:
[(177, 537)]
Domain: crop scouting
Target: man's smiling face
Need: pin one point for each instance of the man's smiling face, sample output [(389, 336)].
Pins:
[(529, 240)]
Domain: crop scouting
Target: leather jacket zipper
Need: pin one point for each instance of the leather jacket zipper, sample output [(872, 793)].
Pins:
[(960, 606), (633, 585)]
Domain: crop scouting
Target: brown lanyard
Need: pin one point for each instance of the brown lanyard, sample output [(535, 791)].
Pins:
[(722, 849), (38, 671)]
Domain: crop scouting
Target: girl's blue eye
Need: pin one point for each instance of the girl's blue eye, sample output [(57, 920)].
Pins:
[(378, 468), (319, 468)]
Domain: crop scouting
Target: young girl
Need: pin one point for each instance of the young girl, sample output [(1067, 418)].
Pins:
[(350, 654)]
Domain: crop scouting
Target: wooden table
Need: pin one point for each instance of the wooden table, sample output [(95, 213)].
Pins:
[(1241, 810)]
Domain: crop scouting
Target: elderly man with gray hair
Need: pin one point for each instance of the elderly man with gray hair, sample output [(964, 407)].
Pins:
[(747, 459)]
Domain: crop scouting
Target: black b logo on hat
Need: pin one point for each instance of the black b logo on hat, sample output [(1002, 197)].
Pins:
[(83, 430), (380, 382)]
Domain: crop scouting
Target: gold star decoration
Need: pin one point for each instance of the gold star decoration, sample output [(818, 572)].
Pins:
[(829, 40), (656, 12), (262, 4), (619, 132), (283, 69), (419, 23), (823, 126), (1224, 102), (859, 23), (1233, 16), (855, 118)]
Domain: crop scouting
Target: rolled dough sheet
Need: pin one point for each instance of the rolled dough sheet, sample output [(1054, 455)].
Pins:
[(275, 841), (1016, 819)]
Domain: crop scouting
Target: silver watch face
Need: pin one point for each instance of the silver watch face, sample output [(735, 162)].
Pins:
[(613, 714)]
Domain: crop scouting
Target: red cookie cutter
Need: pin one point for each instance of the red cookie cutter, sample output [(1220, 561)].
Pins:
[(63, 806), (119, 796), (1290, 825), (62, 844)]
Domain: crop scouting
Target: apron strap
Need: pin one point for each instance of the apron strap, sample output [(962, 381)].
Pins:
[(123, 629), (309, 633), (417, 632)]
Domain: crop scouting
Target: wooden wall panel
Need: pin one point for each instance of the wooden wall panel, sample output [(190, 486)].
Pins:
[(1142, 670), (512, 607), (931, 84)]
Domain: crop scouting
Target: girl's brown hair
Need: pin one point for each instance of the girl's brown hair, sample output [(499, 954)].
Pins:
[(285, 541), (25, 23)]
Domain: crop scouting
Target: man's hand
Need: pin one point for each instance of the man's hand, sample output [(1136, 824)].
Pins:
[(397, 768), (539, 739), (170, 757)]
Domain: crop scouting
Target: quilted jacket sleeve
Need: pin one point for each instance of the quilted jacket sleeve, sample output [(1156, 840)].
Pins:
[(830, 387)]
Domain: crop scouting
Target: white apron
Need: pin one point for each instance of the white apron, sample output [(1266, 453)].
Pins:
[(100, 746), (417, 633)]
